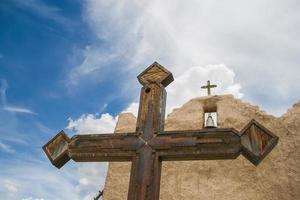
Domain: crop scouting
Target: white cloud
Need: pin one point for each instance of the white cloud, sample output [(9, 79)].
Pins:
[(132, 108), (30, 178), (187, 86), (6, 148), (4, 104), (92, 178), (261, 47), (43, 10), (3, 87), (89, 124), (10, 186), (94, 60), (92, 175), (18, 109)]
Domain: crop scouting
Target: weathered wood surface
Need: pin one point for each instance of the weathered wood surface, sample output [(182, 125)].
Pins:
[(156, 73), (257, 142), (57, 149), (150, 145), (103, 147)]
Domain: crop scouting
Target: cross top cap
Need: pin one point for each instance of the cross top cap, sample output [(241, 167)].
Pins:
[(156, 73)]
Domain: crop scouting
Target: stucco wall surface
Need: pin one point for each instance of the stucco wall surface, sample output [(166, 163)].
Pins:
[(276, 178)]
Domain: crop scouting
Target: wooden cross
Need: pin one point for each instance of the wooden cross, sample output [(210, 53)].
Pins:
[(208, 86), (149, 145)]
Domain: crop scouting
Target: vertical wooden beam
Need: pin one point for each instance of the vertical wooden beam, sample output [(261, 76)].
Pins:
[(153, 96), (133, 178), (155, 183), (144, 175)]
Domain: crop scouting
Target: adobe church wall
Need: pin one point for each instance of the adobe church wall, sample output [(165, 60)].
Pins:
[(116, 183), (277, 177)]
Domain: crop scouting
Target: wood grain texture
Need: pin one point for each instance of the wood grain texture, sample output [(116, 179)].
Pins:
[(57, 149), (257, 142), (156, 73)]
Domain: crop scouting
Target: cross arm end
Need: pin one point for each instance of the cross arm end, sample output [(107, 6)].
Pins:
[(57, 149)]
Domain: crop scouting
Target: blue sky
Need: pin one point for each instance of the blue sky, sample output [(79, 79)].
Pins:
[(37, 39), (73, 64)]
